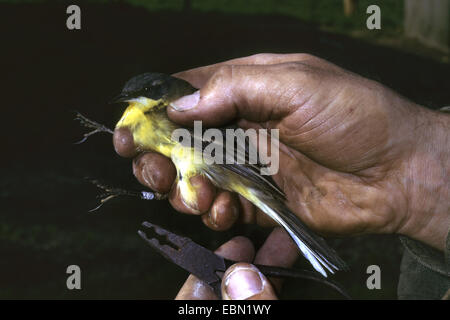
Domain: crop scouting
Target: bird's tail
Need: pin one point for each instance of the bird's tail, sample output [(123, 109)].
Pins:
[(264, 194), (312, 246)]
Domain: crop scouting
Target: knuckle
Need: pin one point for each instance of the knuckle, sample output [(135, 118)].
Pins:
[(221, 77), (263, 58), (293, 66), (302, 71), (223, 73), (296, 70), (306, 57)]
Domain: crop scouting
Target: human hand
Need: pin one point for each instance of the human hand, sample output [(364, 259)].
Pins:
[(355, 157), (243, 281)]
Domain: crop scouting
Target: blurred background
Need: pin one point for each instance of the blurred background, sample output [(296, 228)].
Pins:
[(48, 72)]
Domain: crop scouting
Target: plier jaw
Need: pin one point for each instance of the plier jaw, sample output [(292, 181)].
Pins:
[(195, 259)]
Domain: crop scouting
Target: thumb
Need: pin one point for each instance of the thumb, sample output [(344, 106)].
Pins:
[(243, 281), (252, 92)]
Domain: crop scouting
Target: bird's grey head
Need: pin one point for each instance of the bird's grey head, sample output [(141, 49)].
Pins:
[(154, 86)]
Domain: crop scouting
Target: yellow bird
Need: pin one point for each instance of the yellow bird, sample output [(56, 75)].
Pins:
[(148, 95)]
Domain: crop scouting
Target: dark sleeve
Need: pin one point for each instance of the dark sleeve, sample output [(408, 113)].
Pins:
[(424, 271)]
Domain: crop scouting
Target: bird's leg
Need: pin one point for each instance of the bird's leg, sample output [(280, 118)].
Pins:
[(92, 125), (112, 192)]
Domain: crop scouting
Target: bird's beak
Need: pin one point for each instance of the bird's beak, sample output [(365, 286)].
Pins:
[(122, 97)]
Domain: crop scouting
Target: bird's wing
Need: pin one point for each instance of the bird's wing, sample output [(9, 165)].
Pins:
[(249, 168), (262, 191)]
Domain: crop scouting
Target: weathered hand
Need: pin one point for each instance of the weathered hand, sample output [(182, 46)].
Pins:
[(355, 157)]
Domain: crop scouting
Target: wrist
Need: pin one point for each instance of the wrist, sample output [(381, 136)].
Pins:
[(427, 180)]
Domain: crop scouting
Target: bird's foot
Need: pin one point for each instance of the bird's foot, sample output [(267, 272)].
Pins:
[(92, 125), (112, 192)]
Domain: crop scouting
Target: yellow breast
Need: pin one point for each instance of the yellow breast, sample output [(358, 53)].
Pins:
[(151, 129)]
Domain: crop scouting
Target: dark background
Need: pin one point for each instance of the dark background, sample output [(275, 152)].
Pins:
[(49, 71)]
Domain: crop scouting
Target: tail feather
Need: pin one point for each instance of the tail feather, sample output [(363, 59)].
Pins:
[(313, 247), (264, 194)]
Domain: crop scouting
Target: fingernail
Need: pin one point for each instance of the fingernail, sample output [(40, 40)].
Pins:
[(186, 102), (243, 283), (213, 216), (190, 203), (148, 176), (123, 142)]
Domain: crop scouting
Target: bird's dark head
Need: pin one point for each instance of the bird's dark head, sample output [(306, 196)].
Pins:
[(146, 94), (155, 87)]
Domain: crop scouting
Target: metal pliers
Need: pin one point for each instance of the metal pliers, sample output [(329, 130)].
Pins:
[(208, 266)]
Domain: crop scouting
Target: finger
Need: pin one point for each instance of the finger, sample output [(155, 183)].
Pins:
[(123, 143), (256, 93), (204, 191), (247, 211), (263, 219), (278, 250), (237, 249), (243, 281), (223, 213), (154, 171), (199, 76)]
